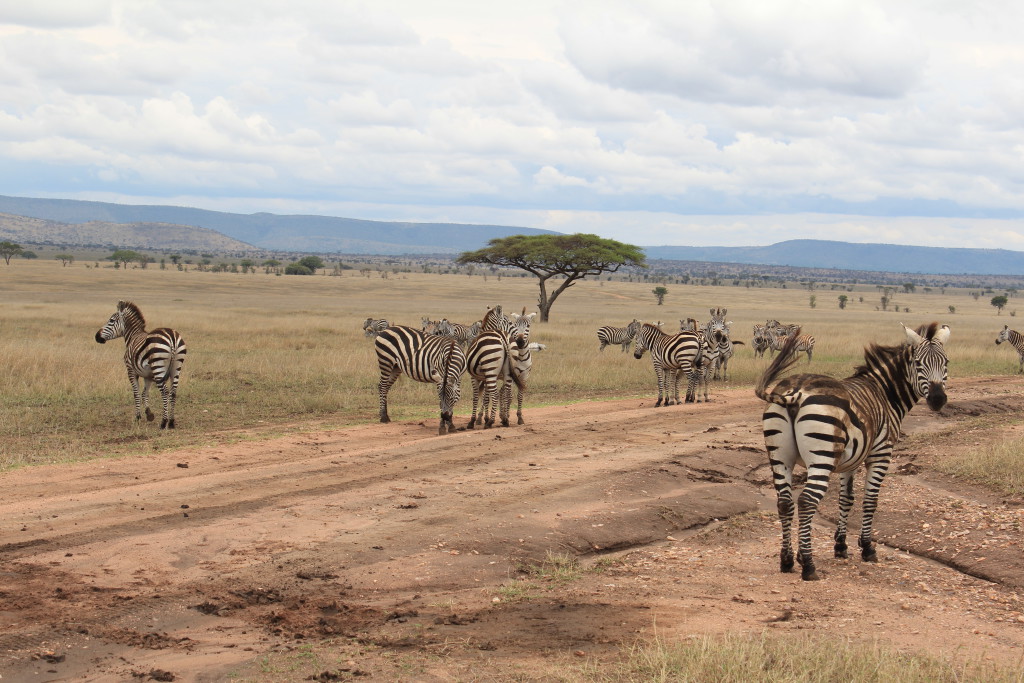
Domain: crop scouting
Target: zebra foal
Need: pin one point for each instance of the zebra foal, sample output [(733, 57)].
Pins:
[(154, 356), (425, 359), (1016, 340), (836, 425)]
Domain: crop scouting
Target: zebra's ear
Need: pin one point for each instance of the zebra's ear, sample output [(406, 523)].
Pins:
[(121, 305), (942, 334), (912, 336)]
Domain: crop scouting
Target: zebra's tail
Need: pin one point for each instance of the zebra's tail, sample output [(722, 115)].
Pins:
[(786, 359)]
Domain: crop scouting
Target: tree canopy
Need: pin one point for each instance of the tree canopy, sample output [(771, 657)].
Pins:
[(572, 256), (9, 249)]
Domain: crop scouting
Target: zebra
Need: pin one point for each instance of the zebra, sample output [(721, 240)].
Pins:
[(373, 326), (520, 365), (760, 342), (492, 363), (425, 359), (719, 328), (464, 334), (155, 356), (777, 339), (671, 355), (707, 364), (1016, 340), (428, 326), (608, 335), (833, 425)]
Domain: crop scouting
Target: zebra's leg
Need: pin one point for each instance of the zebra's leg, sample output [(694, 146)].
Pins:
[(173, 397), (165, 400), (519, 403), (505, 402), (490, 404), (660, 373), (145, 398), (845, 504), (1020, 369), (782, 456), (878, 467), (818, 472), (603, 344), (387, 380), (477, 388)]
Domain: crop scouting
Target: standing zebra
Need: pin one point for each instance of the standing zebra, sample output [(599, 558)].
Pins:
[(672, 355), (833, 425), (777, 338), (622, 336), (496, 352), (520, 363), (1016, 340), (707, 364), (760, 341), (425, 359), (373, 326), (718, 330), (154, 356)]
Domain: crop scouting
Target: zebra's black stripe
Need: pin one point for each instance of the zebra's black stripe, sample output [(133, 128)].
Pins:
[(672, 355), (154, 356), (834, 425)]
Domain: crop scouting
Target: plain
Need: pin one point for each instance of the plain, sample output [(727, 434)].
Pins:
[(275, 354)]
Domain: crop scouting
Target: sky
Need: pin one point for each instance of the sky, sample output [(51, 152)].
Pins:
[(677, 122)]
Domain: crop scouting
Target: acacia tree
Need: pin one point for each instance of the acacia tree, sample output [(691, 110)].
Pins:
[(659, 293), (572, 256), (1000, 303), (9, 249), (65, 259)]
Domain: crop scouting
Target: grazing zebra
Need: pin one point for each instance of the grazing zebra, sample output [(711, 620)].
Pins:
[(155, 356), (777, 339), (833, 425), (1016, 340), (464, 334), (672, 355), (373, 326), (623, 336), (425, 359)]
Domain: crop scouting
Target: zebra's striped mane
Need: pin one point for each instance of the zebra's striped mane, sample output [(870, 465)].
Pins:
[(884, 359), (133, 318)]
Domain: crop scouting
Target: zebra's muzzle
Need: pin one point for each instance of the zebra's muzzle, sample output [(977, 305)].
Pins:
[(936, 396), (100, 339)]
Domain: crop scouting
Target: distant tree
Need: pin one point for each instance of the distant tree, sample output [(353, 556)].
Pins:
[(124, 257), (175, 258), (297, 269), (909, 287), (813, 301), (571, 257), (659, 294), (999, 302), (271, 265), (29, 254), (952, 309), (247, 265), (842, 300), (312, 262), (65, 259), (9, 249)]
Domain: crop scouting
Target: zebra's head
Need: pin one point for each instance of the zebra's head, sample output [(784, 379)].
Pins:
[(519, 328), (930, 362), (633, 328), (1004, 335), (642, 341), (126, 317)]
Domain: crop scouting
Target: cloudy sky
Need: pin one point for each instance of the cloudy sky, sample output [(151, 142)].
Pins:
[(694, 122)]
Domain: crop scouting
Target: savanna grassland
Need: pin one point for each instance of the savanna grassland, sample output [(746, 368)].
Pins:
[(274, 354)]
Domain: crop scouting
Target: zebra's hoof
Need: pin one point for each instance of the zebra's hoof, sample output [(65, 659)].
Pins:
[(809, 574), (521, 421)]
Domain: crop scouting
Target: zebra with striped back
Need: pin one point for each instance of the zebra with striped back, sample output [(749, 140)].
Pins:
[(835, 426), (373, 326), (672, 355), (155, 357), (425, 359), (1016, 340), (707, 364), (428, 326), (623, 336), (488, 366)]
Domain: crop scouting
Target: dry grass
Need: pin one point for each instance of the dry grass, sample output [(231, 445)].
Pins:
[(269, 354), (999, 466)]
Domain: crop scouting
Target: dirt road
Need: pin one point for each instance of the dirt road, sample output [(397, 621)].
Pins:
[(389, 551)]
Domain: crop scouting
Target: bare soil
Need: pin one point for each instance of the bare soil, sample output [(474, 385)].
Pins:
[(391, 553)]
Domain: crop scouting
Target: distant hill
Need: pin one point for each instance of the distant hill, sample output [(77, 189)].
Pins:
[(161, 236), (890, 258), (280, 233)]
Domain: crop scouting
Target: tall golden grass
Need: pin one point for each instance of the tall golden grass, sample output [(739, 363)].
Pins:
[(269, 354)]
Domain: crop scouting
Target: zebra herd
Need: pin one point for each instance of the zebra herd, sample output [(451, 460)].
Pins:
[(829, 425), (496, 352)]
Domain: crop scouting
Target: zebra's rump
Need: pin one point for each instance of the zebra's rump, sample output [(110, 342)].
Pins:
[(161, 354)]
